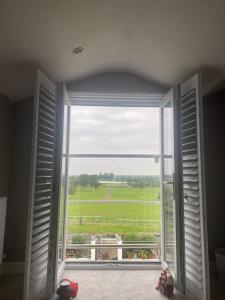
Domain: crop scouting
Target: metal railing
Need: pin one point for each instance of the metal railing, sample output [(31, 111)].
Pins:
[(114, 246)]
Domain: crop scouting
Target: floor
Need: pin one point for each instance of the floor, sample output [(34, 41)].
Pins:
[(118, 285), (217, 288), (11, 287), (108, 285)]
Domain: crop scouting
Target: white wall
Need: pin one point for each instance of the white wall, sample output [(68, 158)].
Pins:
[(115, 82)]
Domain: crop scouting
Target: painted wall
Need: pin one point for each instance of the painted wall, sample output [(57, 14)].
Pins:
[(117, 82), (214, 134), (6, 110), (16, 222)]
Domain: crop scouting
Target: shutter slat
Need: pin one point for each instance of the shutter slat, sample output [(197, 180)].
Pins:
[(188, 131), (192, 188), (188, 116), (45, 136), (39, 244), (42, 205), (46, 91), (195, 273), (44, 114), (45, 128), (40, 228), (45, 106), (46, 122), (44, 96), (40, 235), (40, 259), (36, 255), (196, 257)]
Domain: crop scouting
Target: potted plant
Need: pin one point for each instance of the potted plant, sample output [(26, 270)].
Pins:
[(129, 254)]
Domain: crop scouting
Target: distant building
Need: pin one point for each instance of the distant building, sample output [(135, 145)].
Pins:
[(112, 183)]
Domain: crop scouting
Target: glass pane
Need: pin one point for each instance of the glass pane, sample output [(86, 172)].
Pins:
[(169, 224), (168, 129), (169, 209), (114, 201), (61, 213), (65, 128), (114, 130), (62, 190)]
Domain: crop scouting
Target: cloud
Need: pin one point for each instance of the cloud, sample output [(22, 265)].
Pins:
[(115, 130)]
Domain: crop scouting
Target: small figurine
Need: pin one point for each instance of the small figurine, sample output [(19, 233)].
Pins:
[(165, 283), (67, 289)]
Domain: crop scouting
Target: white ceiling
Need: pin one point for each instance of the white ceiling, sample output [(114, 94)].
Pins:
[(163, 40)]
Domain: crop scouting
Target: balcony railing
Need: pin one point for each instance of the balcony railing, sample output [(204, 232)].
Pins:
[(115, 250)]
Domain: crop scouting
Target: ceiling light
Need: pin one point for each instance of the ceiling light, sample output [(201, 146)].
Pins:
[(78, 50)]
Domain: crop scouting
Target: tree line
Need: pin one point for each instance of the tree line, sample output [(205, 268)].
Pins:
[(92, 181)]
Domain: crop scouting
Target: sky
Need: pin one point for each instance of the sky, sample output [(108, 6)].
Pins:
[(114, 130)]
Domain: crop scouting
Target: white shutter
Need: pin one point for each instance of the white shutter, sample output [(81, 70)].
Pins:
[(38, 254), (195, 230)]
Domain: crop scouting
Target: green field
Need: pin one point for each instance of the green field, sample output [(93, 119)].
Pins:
[(119, 217), (115, 193)]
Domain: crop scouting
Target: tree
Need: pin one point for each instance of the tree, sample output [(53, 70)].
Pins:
[(73, 183), (93, 181), (84, 179)]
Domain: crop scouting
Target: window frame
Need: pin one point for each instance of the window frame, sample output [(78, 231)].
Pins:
[(106, 100)]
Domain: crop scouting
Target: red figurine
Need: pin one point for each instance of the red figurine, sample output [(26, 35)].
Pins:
[(165, 283)]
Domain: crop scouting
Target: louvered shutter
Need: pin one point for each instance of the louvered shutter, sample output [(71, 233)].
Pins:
[(195, 231), (38, 251)]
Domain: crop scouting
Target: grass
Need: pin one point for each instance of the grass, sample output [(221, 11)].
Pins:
[(135, 193), (111, 218), (113, 228), (115, 211), (87, 193), (115, 193)]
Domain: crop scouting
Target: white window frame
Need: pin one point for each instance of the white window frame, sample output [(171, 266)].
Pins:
[(106, 100)]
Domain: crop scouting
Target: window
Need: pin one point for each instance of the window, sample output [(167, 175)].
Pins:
[(113, 183)]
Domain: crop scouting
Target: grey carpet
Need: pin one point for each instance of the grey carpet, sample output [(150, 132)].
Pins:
[(117, 285)]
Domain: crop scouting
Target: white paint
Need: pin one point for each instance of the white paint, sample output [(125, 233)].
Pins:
[(93, 242), (161, 40), (3, 206), (120, 250)]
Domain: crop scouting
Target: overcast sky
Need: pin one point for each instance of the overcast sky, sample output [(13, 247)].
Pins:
[(114, 130)]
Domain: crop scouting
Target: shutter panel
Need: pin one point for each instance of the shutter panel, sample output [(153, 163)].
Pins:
[(195, 230), (38, 254)]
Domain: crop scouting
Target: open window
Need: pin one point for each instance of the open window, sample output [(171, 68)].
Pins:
[(112, 182), (122, 182)]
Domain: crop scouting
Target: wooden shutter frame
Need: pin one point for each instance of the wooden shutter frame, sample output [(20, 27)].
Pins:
[(40, 79), (195, 82), (57, 183)]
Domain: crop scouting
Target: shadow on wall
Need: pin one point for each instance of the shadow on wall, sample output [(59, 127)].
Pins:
[(16, 220), (214, 135)]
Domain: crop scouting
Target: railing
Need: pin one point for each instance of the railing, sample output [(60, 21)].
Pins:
[(114, 246), (121, 251)]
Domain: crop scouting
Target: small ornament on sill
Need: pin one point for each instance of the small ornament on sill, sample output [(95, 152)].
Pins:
[(165, 283), (67, 289)]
